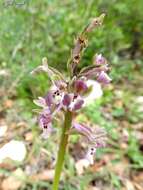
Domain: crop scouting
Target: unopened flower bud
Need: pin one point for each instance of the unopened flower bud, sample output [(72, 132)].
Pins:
[(99, 59), (104, 78), (95, 22)]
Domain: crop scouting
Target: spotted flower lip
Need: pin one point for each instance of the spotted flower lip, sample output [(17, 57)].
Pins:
[(53, 97), (45, 122), (90, 154), (99, 141)]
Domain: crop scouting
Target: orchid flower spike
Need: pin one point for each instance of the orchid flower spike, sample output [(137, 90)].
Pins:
[(69, 94)]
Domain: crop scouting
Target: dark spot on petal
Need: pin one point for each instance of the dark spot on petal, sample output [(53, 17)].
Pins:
[(75, 96), (81, 40), (76, 57), (45, 126)]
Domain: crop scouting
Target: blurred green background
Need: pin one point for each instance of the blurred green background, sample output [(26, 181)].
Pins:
[(35, 29)]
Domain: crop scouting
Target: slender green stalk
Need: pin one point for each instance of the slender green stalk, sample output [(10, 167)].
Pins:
[(62, 149)]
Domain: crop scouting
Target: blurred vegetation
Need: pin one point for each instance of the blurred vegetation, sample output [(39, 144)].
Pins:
[(48, 28)]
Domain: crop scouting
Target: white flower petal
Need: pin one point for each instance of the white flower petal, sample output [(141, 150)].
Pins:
[(96, 92)]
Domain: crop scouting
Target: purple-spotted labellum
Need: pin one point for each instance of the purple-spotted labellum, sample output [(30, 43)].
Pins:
[(54, 97), (69, 94), (45, 122)]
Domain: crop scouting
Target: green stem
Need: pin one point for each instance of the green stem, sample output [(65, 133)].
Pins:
[(62, 149)]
